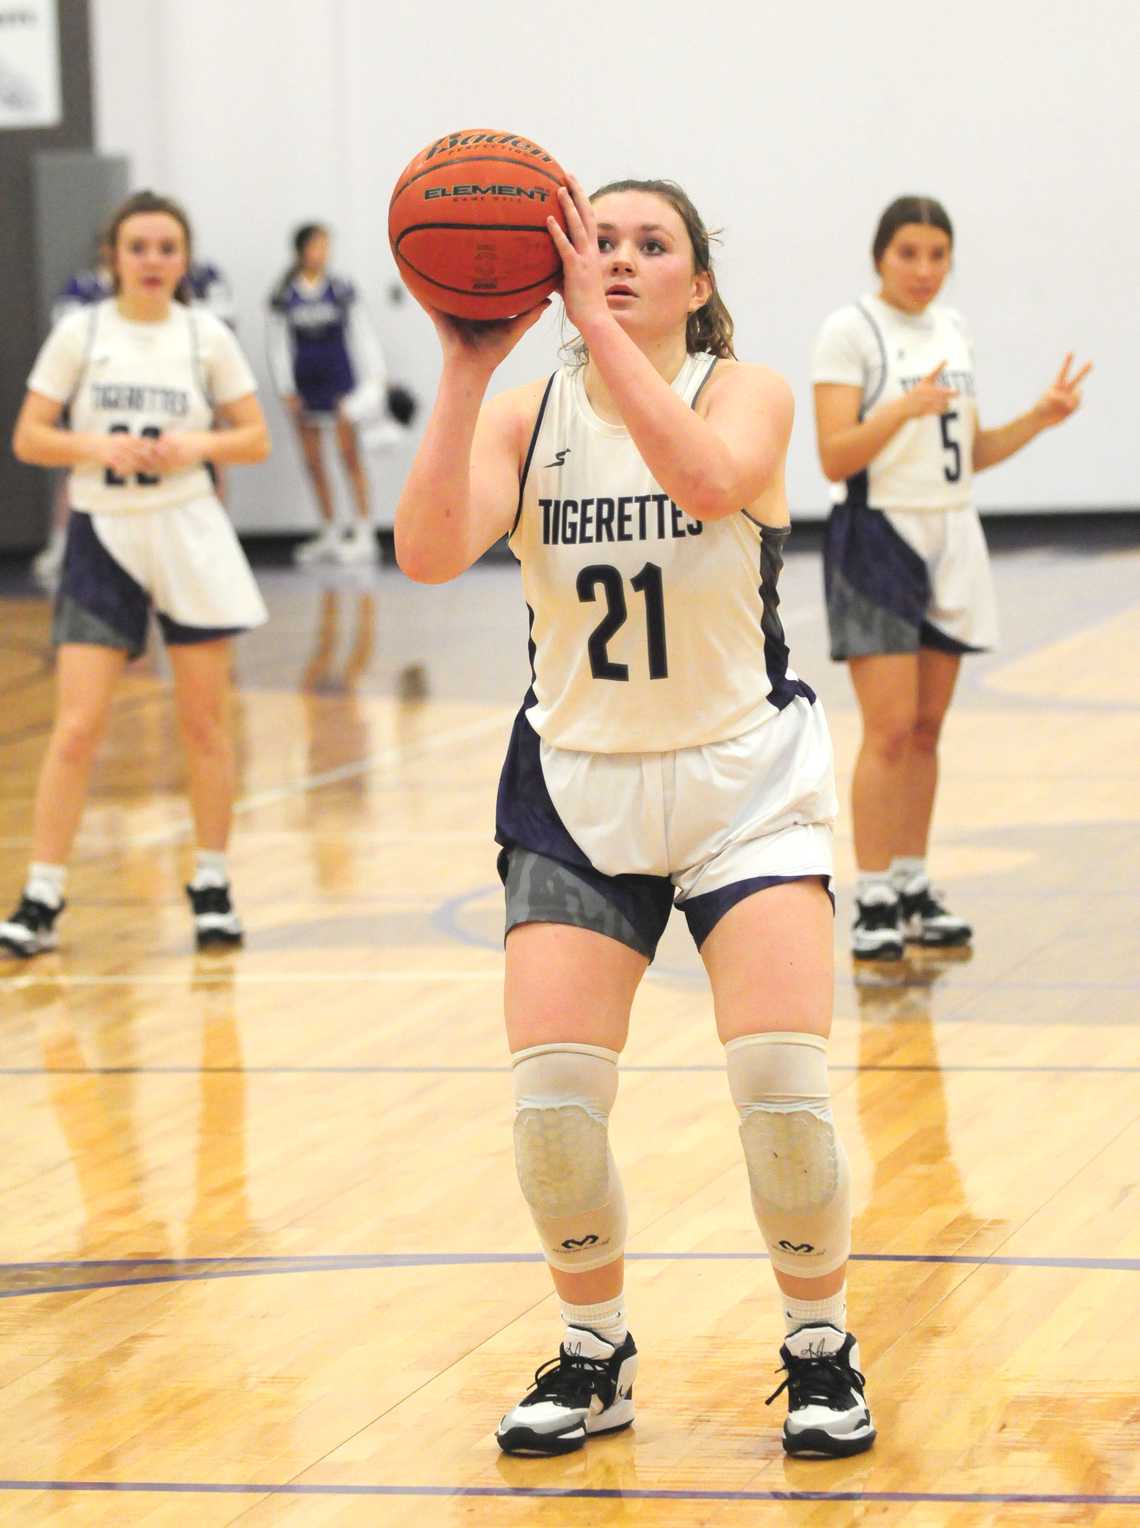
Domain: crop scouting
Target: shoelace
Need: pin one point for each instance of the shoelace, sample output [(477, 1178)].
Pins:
[(572, 1379), (877, 915), (827, 1380), (34, 915)]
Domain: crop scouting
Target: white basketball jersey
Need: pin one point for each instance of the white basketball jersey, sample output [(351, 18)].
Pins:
[(141, 378), (651, 631), (928, 463)]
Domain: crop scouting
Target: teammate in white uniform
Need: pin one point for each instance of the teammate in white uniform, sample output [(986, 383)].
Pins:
[(906, 568), (154, 390), (666, 753)]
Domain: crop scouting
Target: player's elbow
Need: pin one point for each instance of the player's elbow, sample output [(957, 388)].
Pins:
[(24, 446), (419, 563), (832, 465)]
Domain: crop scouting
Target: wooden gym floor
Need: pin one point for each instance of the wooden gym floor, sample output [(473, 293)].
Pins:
[(264, 1259)]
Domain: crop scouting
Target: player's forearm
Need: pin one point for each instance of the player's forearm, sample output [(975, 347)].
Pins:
[(240, 446), (433, 518), (993, 446), (42, 445), (692, 463), (845, 452)]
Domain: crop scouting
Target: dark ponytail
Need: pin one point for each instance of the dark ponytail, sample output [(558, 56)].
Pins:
[(909, 209)]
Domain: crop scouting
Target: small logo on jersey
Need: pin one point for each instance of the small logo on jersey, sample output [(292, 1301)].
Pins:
[(572, 1244), (560, 457)]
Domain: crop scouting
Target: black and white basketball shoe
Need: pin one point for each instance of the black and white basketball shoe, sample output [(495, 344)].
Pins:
[(586, 1390), (926, 920), (876, 934), (827, 1415), (31, 928), (215, 922)]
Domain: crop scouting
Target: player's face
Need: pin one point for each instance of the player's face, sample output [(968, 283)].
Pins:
[(647, 264), (150, 256), (315, 255), (914, 265)]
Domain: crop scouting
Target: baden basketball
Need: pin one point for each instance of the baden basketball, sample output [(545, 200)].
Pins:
[(467, 224)]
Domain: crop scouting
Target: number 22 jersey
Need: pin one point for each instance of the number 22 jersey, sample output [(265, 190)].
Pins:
[(650, 631)]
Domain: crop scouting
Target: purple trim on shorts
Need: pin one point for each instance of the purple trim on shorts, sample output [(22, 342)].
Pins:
[(930, 636), (174, 634), (703, 913)]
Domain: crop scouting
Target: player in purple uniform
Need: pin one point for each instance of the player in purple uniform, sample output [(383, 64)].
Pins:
[(328, 367)]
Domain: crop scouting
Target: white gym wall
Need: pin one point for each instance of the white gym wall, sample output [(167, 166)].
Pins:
[(790, 125)]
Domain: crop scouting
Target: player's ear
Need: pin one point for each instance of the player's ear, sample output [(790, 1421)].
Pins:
[(702, 291)]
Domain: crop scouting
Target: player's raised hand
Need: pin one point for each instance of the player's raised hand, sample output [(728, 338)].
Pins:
[(583, 285), (1064, 397), (486, 341), (930, 396)]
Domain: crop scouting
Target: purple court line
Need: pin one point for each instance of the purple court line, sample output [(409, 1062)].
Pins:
[(192, 1270), (464, 1071), (577, 1493)]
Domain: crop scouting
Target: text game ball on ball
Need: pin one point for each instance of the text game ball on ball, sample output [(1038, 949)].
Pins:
[(467, 224)]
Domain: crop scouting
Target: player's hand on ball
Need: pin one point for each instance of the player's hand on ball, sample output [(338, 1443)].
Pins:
[(583, 284), (487, 341), (1064, 397), (930, 396)]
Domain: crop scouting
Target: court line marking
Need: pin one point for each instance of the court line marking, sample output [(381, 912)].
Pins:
[(202, 1270), (370, 763), (239, 978), (573, 1493), (472, 1071)]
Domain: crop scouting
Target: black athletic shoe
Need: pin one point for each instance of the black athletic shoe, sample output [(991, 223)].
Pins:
[(926, 921), (31, 928), (875, 934), (827, 1415), (215, 921), (587, 1389)]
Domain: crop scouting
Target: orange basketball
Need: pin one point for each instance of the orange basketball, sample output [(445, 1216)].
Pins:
[(467, 224)]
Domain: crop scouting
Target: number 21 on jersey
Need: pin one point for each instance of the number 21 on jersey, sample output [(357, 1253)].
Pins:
[(647, 583)]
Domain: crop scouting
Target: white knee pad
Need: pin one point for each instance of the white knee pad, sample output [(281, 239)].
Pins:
[(797, 1168), (563, 1097)]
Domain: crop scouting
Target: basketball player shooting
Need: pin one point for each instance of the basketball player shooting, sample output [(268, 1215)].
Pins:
[(665, 755)]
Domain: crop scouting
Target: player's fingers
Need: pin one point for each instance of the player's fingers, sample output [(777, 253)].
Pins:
[(1063, 374), (574, 224), (1081, 375), (561, 243), (935, 374)]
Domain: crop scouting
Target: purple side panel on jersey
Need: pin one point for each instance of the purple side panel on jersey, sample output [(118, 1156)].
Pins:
[(863, 546), (783, 690)]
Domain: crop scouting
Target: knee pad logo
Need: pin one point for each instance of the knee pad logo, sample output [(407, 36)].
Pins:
[(576, 1243), (793, 1247)]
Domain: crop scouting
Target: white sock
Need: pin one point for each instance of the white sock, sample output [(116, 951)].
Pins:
[(45, 883), (607, 1318), (211, 868), (875, 886), (908, 873), (799, 1313)]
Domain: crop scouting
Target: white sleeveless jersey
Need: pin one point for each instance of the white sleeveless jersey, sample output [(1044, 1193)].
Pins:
[(650, 631), (928, 464), (146, 378)]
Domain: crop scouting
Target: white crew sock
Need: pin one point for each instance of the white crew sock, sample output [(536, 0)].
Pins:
[(45, 883), (799, 1313), (875, 887), (607, 1318), (908, 873), (211, 868)]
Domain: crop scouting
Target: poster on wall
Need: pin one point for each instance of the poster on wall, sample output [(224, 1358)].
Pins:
[(30, 94)]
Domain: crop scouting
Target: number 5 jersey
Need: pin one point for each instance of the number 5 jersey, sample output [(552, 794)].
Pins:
[(650, 631), (928, 464), (146, 378)]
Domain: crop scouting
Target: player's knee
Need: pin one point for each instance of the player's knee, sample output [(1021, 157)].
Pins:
[(77, 735), (891, 739), (925, 734), (563, 1098), (797, 1168)]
